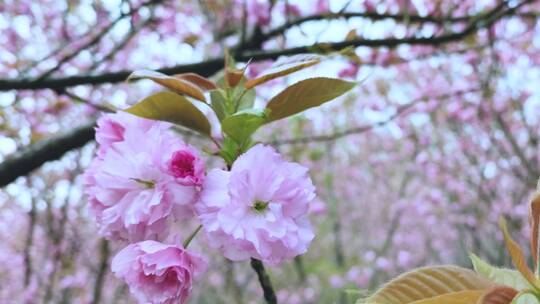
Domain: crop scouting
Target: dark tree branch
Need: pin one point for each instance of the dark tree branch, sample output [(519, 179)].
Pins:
[(32, 157), (211, 66), (348, 15), (257, 40), (264, 280)]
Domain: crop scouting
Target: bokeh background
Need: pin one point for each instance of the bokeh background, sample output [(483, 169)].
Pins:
[(412, 168)]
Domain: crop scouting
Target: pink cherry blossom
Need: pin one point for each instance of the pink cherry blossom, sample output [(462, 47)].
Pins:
[(350, 71), (186, 167), (111, 128), (142, 181), (259, 208), (157, 272), (260, 12)]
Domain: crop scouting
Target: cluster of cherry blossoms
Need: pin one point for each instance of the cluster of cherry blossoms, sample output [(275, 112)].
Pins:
[(144, 178), (145, 181)]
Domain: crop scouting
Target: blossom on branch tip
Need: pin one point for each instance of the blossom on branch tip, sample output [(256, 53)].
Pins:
[(157, 272), (258, 209)]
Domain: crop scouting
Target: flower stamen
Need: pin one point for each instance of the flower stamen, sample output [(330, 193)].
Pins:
[(147, 184), (260, 206)]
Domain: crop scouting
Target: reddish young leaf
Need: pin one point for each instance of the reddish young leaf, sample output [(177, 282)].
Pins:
[(175, 84), (284, 66), (498, 295), (517, 256), (202, 82), (534, 219)]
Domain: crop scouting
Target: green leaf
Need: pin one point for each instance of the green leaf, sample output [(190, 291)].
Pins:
[(229, 151), (306, 94), (247, 98), (352, 295), (502, 276), (431, 285), (218, 103), (525, 297), (243, 124), (171, 107)]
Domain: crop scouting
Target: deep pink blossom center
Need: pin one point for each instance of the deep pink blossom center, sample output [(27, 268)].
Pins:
[(182, 164), (117, 130)]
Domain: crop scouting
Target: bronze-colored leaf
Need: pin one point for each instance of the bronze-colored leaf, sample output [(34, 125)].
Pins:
[(517, 256), (351, 35), (202, 82), (498, 295), (430, 284), (174, 84), (460, 297), (234, 76), (284, 66), (534, 219), (171, 107), (305, 94)]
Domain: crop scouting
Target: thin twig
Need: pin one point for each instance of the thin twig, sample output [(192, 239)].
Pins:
[(95, 40), (88, 102), (134, 31), (28, 243), (361, 129), (102, 271)]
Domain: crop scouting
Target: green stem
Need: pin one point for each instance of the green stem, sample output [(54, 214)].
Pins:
[(190, 238)]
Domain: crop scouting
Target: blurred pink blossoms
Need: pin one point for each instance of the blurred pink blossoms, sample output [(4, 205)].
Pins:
[(143, 176), (158, 273), (258, 209)]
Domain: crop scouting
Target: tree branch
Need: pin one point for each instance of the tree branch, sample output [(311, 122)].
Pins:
[(527, 164), (212, 65), (32, 157), (264, 280), (348, 15)]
